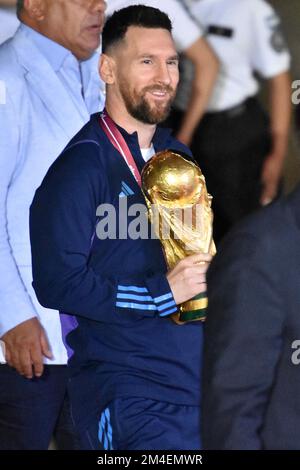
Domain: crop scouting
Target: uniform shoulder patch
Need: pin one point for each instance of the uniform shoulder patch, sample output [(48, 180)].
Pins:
[(277, 39)]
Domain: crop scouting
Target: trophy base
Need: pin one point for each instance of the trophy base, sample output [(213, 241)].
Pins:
[(194, 310)]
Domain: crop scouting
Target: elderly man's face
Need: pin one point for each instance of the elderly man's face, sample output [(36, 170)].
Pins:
[(75, 24)]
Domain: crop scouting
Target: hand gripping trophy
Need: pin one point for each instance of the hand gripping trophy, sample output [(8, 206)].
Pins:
[(179, 208)]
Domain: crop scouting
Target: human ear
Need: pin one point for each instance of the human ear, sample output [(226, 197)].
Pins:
[(35, 9), (107, 69)]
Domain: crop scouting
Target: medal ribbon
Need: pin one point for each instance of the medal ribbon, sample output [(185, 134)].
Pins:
[(117, 140)]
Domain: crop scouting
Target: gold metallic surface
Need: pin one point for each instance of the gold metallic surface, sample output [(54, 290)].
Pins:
[(179, 207), (195, 304)]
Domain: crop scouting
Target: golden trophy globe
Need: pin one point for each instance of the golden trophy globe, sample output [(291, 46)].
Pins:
[(179, 209)]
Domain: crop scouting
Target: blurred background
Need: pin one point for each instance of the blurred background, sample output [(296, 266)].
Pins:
[(289, 11)]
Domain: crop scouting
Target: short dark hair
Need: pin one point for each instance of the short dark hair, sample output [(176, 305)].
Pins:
[(143, 16)]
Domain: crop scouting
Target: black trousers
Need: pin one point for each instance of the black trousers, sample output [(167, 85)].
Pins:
[(32, 411), (230, 148)]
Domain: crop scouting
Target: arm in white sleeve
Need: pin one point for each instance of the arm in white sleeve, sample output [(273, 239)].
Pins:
[(15, 303)]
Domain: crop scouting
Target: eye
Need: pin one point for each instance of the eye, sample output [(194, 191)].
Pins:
[(147, 61), (173, 62)]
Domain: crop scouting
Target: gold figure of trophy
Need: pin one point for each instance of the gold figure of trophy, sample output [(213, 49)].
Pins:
[(179, 208)]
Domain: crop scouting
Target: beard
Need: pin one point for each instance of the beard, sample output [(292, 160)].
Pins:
[(139, 108)]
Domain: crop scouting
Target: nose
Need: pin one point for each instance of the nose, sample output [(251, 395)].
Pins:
[(163, 74), (98, 6)]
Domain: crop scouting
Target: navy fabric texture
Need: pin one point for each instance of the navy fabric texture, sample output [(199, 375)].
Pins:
[(125, 345)]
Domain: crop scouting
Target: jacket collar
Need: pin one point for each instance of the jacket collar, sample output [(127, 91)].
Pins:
[(161, 141), (46, 84), (160, 138), (54, 53)]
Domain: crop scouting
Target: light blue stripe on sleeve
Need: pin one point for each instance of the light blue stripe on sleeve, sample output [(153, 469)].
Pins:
[(101, 431), (124, 190), (141, 298), (107, 414), (127, 189), (101, 428), (136, 306), (157, 300), (105, 430), (167, 305), (133, 288), (168, 312), (109, 428), (105, 443)]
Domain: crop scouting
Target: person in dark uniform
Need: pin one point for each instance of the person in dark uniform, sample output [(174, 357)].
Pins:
[(239, 149), (251, 381)]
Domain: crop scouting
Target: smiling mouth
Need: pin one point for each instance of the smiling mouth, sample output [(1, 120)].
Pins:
[(159, 94)]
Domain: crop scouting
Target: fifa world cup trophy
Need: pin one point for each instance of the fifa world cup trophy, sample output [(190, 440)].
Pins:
[(179, 208)]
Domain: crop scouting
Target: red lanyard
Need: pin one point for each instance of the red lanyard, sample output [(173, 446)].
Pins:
[(118, 141)]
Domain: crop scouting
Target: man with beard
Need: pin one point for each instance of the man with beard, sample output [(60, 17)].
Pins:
[(191, 44), (135, 374)]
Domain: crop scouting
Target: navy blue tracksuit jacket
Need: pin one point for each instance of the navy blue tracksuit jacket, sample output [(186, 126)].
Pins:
[(124, 345)]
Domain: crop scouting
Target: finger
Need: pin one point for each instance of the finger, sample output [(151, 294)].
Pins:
[(198, 258), (198, 289), (200, 285), (267, 195), (8, 356), (266, 199), (197, 279), (201, 279), (195, 282), (46, 350), (194, 272), (14, 359), (37, 360), (25, 366), (202, 268), (201, 288)]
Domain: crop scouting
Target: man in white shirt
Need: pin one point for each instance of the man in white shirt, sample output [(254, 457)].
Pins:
[(8, 19), (239, 151), (49, 88), (189, 40)]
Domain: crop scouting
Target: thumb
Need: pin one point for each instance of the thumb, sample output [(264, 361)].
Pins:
[(199, 258), (46, 350)]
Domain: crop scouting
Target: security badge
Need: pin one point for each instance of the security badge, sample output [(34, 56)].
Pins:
[(277, 39)]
